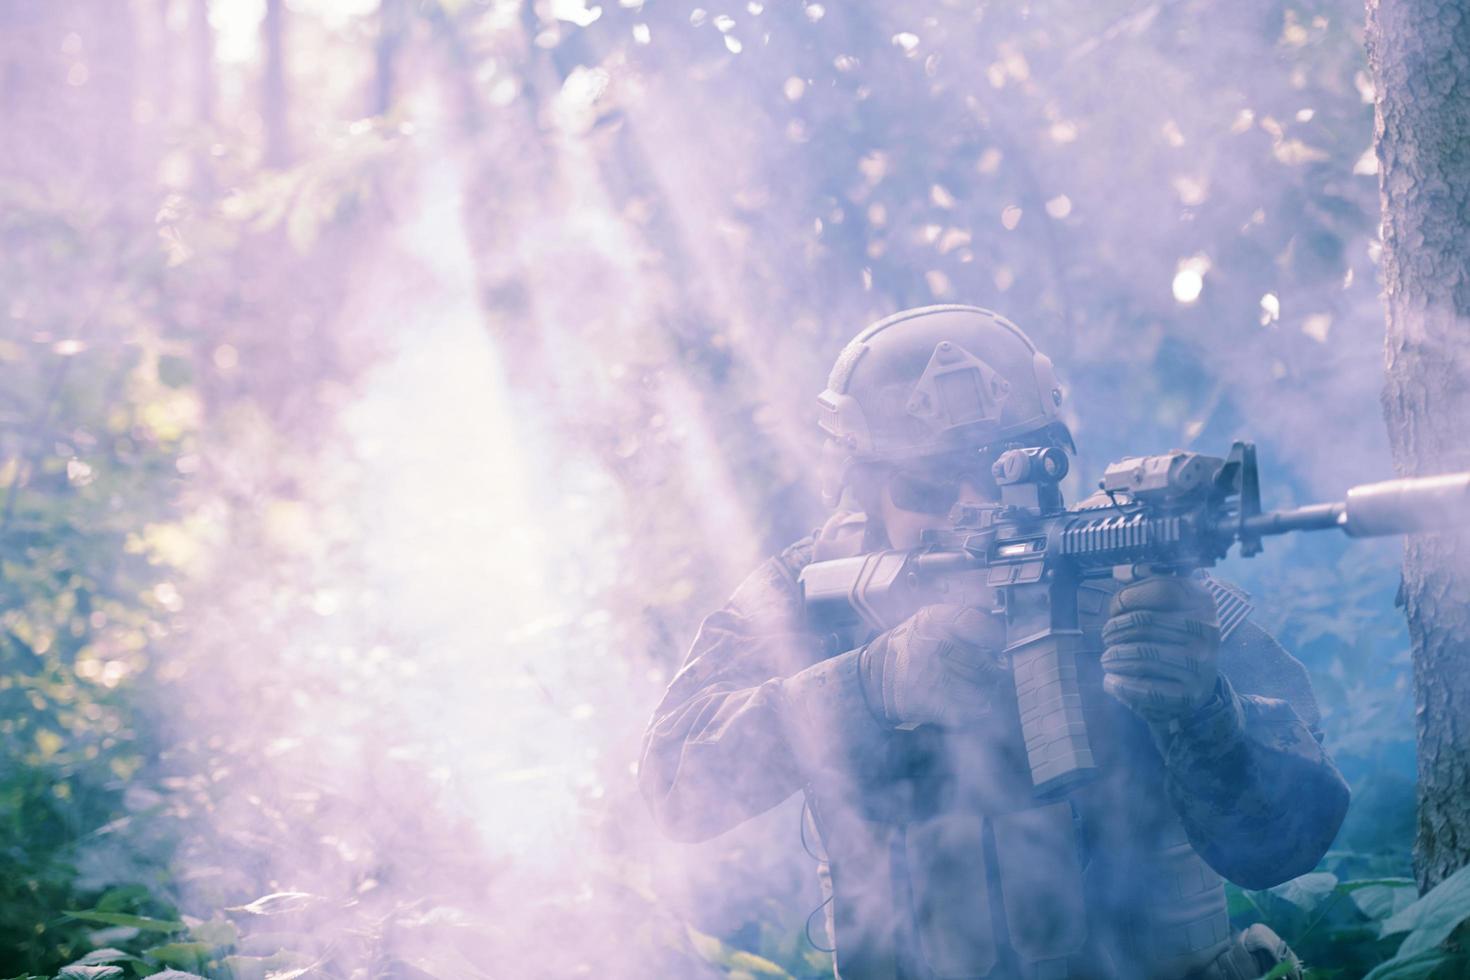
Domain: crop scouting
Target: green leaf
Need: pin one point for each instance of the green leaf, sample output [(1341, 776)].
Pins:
[(111, 934), (279, 903), (1239, 903), (140, 922), (716, 952), (276, 966), (176, 975), (78, 972), (216, 932), (1357, 883), (118, 899), (1363, 933), (1382, 900), (1293, 906), (1418, 966), (180, 954), (758, 965), (105, 955), (1308, 891), (1433, 917)]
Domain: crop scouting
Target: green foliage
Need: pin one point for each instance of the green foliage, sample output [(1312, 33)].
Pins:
[(140, 922), (1339, 928), (284, 936), (1429, 922), (192, 948), (1349, 928), (735, 962), (92, 445)]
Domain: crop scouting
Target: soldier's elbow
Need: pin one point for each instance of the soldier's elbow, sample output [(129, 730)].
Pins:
[(677, 818), (1299, 843), (680, 822), (1333, 797), (1262, 871)]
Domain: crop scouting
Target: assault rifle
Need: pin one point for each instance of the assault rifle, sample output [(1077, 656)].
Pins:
[(1025, 556)]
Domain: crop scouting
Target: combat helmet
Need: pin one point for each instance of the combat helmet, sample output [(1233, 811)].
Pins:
[(932, 381)]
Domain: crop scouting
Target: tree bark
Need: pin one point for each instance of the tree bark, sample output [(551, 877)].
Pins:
[(1419, 54), (273, 106), (392, 27), (459, 67), (162, 82), (202, 43), (202, 84), (117, 87)]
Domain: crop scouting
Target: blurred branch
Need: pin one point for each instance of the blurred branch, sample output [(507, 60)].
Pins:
[(1129, 24)]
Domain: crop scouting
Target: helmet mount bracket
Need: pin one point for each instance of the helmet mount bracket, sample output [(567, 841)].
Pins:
[(957, 388)]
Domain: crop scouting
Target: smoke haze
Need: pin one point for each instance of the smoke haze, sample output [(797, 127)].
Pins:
[(489, 397)]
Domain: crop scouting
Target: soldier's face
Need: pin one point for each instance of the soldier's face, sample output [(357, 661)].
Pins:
[(917, 499)]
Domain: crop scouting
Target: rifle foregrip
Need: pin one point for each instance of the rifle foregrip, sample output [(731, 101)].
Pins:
[(1057, 748)]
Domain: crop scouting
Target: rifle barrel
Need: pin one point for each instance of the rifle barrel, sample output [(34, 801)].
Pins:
[(1404, 506), (1316, 517)]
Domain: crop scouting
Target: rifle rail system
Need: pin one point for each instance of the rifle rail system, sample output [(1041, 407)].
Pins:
[(1024, 557)]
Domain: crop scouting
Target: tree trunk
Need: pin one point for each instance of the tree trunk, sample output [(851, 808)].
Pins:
[(392, 27), (161, 73), (117, 87), (202, 43), (201, 79), (273, 85), (1419, 53), (460, 66)]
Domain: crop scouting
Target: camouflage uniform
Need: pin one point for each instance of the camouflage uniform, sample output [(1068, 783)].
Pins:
[(938, 862)]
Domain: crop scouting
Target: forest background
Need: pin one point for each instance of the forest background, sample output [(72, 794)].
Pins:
[(389, 386)]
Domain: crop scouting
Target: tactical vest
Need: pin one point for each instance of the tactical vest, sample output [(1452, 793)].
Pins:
[(937, 862)]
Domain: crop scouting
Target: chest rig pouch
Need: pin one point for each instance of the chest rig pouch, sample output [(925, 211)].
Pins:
[(981, 883)]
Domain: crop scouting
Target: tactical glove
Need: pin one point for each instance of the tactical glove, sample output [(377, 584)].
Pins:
[(940, 666), (1162, 642)]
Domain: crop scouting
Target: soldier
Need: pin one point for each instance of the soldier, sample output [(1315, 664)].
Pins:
[(935, 857)]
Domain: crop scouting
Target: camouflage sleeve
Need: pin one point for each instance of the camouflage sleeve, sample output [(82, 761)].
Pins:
[(1258, 796), (734, 733)]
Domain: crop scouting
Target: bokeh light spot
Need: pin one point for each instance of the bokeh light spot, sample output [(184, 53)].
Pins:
[(1189, 278)]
